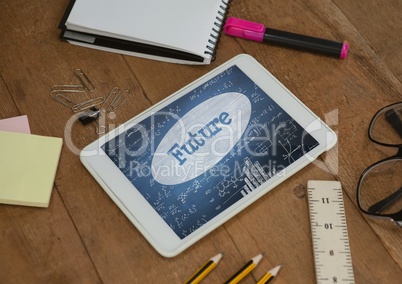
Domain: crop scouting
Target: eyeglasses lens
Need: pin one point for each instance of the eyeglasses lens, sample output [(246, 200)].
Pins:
[(381, 188)]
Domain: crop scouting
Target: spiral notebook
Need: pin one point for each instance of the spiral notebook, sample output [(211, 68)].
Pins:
[(180, 31)]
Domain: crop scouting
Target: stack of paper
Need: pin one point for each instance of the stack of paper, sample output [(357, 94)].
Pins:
[(28, 164)]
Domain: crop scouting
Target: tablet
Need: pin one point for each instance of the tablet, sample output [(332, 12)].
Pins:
[(194, 160)]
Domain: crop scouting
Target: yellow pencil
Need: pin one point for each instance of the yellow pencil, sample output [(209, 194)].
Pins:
[(246, 269), (204, 270), (269, 275)]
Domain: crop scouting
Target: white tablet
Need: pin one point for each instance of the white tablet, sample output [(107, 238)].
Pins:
[(188, 164)]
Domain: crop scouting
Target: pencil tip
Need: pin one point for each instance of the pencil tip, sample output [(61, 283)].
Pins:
[(217, 257), (275, 270), (257, 258)]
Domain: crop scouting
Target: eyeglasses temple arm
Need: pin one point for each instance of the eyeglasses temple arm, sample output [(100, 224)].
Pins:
[(386, 202), (393, 118)]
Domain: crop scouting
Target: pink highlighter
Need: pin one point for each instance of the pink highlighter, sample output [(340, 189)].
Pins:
[(258, 32)]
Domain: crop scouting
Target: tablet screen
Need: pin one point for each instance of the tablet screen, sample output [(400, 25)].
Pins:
[(204, 151)]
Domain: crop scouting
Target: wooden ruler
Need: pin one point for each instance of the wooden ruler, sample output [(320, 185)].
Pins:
[(333, 261)]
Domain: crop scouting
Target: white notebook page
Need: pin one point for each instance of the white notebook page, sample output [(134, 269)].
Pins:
[(185, 25)]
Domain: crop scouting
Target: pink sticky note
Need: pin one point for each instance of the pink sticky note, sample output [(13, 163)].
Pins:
[(15, 124)]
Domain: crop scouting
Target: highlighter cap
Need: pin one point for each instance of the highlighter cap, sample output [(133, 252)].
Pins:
[(344, 51), (244, 29)]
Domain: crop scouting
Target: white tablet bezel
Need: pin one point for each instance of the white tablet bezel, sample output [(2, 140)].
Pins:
[(141, 213)]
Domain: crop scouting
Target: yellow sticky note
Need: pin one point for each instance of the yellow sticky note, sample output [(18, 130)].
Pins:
[(28, 165)]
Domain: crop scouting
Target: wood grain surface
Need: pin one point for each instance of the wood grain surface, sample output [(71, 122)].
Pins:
[(84, 238)]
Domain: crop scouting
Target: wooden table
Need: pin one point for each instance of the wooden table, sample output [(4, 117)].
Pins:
[(82, 237)]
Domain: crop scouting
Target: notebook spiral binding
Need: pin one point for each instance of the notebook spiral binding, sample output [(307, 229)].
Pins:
[(216, 29)]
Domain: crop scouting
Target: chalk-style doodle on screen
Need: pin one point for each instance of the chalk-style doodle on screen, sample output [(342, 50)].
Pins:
[(208, 149)]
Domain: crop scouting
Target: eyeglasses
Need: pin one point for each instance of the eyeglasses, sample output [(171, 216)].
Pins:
[(379, 191)]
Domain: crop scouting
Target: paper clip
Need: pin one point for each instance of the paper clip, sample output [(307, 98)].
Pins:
[(114, 101), (68, 88), (64, 100), (85, 80), (87, 104), (117, 99)]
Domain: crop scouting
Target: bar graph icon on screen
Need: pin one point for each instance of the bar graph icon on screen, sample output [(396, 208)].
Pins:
[(255, 175)]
